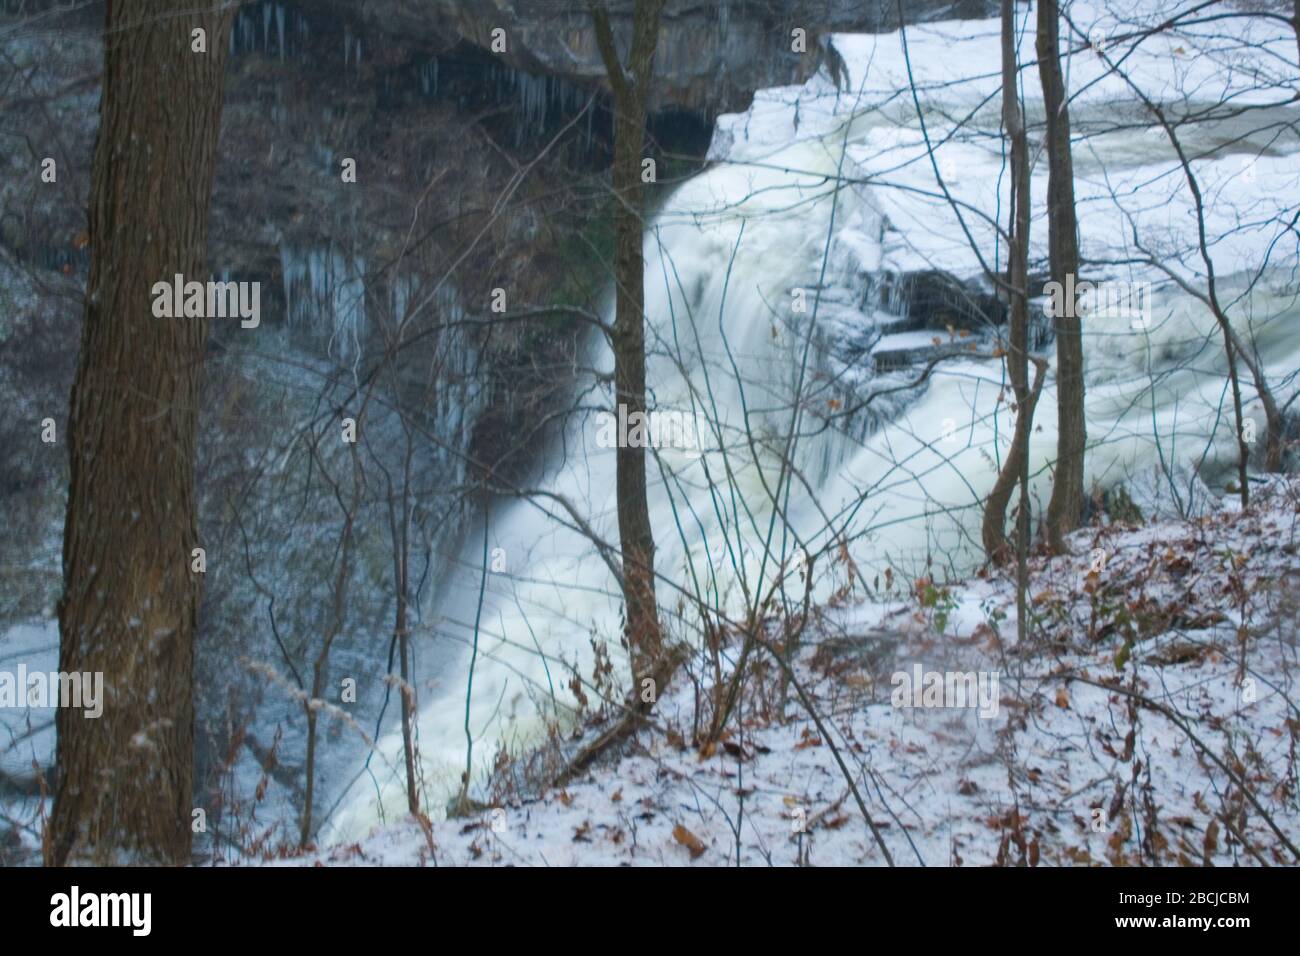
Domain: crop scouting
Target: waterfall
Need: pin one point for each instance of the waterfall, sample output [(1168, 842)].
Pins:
[(728, 258)]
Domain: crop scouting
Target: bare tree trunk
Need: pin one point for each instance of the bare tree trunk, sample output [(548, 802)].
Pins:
[(1243, 449), (636, 537), (338, 619), (1015, 465), (997, 547), (401, 581), (1066, 505), (130, 598), (408, 710)]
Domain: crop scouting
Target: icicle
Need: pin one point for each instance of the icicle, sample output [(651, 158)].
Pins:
[(291, 271), (398, 294), (287, 278)]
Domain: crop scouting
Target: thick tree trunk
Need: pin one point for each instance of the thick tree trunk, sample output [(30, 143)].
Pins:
[(130, 597), (636, 537), (1066, 506)]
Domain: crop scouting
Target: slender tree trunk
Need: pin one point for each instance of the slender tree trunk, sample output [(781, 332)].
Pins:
[(1243, 449), (130, 598), (338, 620), (401, 574), (408, 711), (996, 545), (636, 537), (1066, 506), (1015, 465), (1235, 348)]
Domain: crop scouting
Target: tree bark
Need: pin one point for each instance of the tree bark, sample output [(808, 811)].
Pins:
[(996, 546), (636, 537), (1066, 506), (130, 598), (402, 565), (1016, 464)]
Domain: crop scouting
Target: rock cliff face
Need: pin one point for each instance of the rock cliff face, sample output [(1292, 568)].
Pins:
[(410, 87), (712, 53)]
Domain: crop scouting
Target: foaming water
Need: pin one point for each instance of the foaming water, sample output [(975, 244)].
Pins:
[(901, 482)]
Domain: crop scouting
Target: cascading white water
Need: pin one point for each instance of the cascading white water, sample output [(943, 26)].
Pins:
[(728, 259)]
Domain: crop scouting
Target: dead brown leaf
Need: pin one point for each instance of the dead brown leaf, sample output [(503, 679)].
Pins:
[(689, 840)]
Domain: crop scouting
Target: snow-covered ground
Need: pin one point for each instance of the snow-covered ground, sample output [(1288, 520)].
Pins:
[(1150, 719)]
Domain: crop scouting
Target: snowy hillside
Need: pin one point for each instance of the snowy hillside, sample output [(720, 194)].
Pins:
[(1147, 721)]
